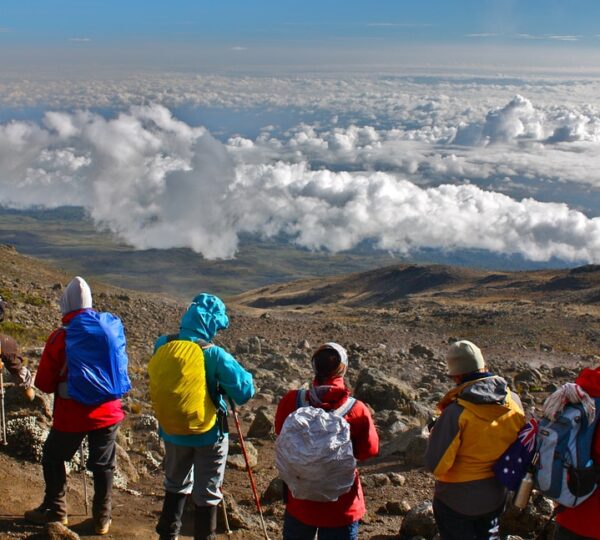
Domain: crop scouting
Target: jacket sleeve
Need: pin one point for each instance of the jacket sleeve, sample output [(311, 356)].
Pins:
[(365, 439), (233, 379), (52, 362), (444, 441)]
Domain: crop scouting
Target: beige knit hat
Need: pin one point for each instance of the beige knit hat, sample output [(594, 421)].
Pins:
[(464, 357)]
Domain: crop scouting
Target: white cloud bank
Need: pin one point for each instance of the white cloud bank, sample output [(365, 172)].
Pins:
[(158, 182)]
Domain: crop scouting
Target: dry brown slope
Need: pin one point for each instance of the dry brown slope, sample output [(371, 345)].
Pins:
[(395, 284)]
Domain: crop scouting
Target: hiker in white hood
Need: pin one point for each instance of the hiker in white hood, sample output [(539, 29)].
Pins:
[(73, 419)]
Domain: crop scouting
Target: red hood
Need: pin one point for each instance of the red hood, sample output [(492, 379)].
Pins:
[(72, 314), (332, 392), (589, 380)]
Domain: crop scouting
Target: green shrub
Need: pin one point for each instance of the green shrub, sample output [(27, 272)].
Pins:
[(34, 300)]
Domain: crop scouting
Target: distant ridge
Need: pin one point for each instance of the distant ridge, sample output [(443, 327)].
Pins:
[(397, 283)]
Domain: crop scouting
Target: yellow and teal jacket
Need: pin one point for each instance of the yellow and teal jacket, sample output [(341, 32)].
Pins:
[(225, 377), (479, 420)]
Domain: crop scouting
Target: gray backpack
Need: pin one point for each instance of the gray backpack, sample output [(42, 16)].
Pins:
[(565, 470), (313, 452)]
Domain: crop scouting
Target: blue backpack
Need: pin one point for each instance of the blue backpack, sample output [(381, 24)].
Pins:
[(565, 471), (96, 358)]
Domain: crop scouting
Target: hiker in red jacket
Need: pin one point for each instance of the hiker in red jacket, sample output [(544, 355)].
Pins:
[(338, 519), (72, 421), (583, 521)]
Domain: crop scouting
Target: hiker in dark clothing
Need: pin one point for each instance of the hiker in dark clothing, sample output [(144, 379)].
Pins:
[(10, 357), (480, 418)]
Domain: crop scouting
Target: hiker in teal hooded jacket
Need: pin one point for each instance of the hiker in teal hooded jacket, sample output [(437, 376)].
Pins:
[(196, 463)]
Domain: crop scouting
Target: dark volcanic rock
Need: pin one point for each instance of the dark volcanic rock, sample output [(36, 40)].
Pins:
[(381, 391), (419, 522), (262, 425)]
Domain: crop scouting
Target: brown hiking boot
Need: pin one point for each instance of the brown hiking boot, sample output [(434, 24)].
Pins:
[(41, 516), (102, 526), (29, 393)]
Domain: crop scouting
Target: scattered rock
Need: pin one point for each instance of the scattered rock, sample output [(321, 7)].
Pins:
[(395, 508), (419, 522), (262, 425), (274, 491), (238, 518), (397, 479), (420, 351), (236, 459), (376, 480), (254, 345)]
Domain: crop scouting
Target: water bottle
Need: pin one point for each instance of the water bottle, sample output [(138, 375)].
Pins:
[(522, 497)]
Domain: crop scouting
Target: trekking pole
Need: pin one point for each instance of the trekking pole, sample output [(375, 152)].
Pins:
[(83, 478), (248, 468), (2, 412), (228, 531)]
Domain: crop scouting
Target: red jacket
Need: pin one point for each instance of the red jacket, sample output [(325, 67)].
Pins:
[(70, 415), (349, 507), (584, 519)]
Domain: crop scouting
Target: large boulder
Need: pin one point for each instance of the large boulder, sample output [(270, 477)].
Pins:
[(399, 445), (381, 391), (414, 456)]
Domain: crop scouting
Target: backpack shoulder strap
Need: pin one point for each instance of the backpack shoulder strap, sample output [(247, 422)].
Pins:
[(202, 343), (344, 409), (302, 399)]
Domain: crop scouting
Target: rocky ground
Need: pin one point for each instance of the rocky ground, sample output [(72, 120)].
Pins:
[(534, 332)]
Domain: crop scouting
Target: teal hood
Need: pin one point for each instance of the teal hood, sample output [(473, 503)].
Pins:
[(206, 315)]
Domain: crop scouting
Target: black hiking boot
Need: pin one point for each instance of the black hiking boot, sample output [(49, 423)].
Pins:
[(205, 523), (169, 523)]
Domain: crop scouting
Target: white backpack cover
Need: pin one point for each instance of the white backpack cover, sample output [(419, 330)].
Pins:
[(313, 452)]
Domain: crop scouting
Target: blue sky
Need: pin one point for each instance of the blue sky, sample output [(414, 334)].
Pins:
[(352, 113), (264, 32)]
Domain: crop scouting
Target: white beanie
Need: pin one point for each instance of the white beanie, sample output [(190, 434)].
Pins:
[(464, 357), (77, 295)]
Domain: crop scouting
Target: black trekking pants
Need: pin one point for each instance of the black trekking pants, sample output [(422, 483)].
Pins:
[(61, 446)]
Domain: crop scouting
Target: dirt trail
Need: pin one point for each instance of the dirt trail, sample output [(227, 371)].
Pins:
[(22, 488)]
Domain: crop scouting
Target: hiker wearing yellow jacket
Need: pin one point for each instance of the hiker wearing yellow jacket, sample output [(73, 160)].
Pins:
[(479, 419), (195, 463)]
